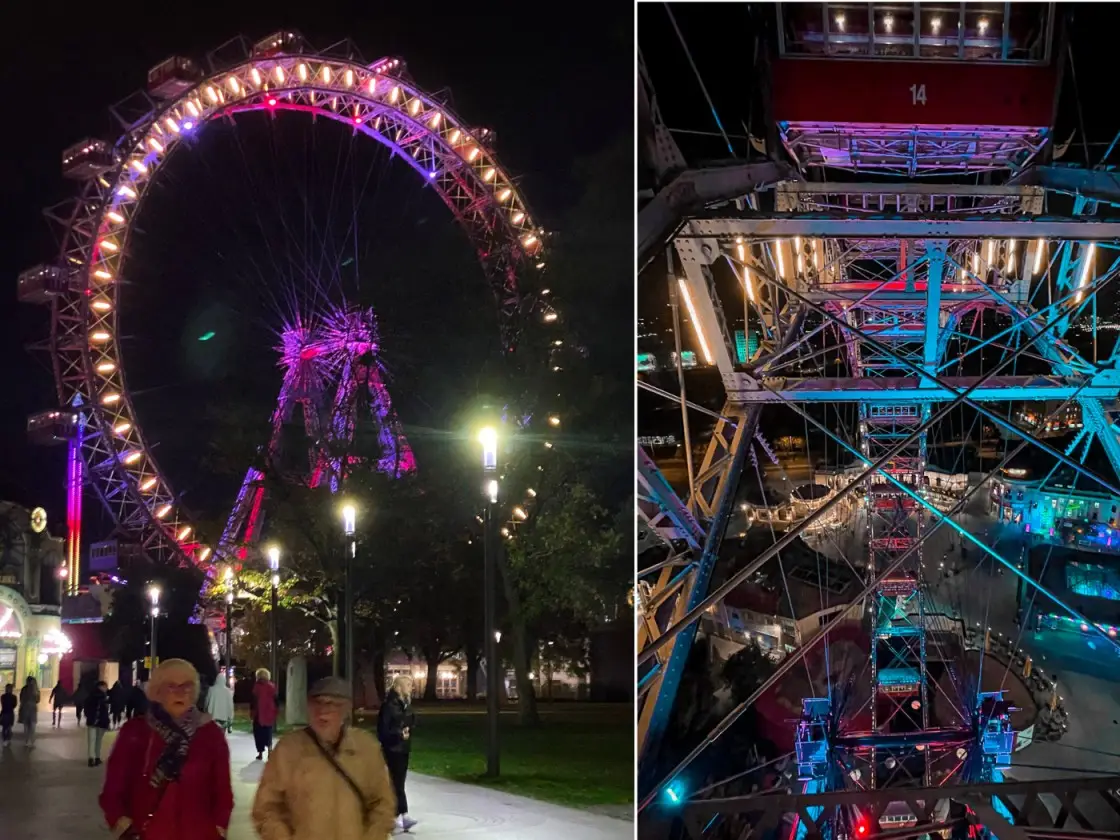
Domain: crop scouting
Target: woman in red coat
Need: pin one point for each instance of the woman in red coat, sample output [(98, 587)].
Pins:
[(168, 776), (263, 707)]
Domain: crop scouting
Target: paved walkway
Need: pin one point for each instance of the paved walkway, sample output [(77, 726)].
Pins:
[(49, 793)]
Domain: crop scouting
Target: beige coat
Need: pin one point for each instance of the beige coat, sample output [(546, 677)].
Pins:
[(302, 797)]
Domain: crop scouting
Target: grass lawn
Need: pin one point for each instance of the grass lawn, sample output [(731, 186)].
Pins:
[(582, 754)]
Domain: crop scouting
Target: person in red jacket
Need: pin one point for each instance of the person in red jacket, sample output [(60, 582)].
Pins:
[(263, 707), (168, 776)]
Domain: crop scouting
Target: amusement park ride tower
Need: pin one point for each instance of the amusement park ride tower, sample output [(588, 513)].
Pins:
[(907, 221)]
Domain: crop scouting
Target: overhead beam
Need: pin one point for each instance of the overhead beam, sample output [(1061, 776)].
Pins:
[(1094, 184), (1021, 189), (695, 189), (910, 390), (1032, 822), (720, 224)]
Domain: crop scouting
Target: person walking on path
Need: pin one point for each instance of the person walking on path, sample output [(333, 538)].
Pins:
[(97, 721), (137, 702), (219, 704), (57, 700), (8, 702), (394, 730), (168, 776), (80, 695), (116, 702), (262, 706), (325, 781), (29, 699)]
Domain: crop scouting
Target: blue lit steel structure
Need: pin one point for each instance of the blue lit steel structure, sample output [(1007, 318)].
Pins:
[(897, 272)]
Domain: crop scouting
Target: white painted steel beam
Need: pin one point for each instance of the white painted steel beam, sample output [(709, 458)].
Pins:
[(783, 226), (909, 389)]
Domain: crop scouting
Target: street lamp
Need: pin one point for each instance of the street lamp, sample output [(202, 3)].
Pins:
[(229, 626), (274, 568), (488, 437), (153, 596), (349, 523)]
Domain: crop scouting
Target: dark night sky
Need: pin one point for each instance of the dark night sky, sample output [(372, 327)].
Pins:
[(554, 89)]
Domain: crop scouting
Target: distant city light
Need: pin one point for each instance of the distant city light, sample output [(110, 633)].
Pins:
[(206, 336)]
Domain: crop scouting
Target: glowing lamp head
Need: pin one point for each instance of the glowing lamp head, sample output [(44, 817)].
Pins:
[(673, 793), (271, 101), (274, 558), (153, 595), (349, 519), (488, 437)]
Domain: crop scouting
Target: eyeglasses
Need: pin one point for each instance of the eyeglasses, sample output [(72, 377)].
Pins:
[(179, 688)]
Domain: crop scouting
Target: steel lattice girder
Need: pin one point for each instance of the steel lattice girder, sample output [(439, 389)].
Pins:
[(896, 389), (722, 225), (1021, 799)]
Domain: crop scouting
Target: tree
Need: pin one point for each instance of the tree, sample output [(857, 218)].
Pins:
[(126, 627), (557, 563), (296, 635), (305, 523)]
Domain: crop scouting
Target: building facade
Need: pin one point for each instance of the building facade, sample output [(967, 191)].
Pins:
[(1057, 512), (32, 643)]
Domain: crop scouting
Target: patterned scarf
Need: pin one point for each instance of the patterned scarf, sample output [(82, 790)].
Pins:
[(176, 735)]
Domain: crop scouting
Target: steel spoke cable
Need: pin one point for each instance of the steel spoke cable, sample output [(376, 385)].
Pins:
[(268, 288), (920, 371), (700, 80), (708, 788), (1041, 576), (781, 566), (791, 660), (874, 468)]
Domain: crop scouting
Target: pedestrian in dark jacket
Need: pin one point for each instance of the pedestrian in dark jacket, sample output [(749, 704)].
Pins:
[(394, 730), (29, 699), (136, 705), (97, 721), (8, 702), (58, 699), (80, 695), (116, 702)]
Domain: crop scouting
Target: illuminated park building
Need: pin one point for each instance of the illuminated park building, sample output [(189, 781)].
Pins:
[(1052, 511), (31, 639)]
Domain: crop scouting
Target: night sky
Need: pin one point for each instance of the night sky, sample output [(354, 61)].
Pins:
[(211, 244)]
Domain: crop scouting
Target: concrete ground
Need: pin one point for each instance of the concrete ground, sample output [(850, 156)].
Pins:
[(50, 794)]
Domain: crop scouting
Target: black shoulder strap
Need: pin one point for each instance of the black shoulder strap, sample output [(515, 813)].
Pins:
[(329, 756)]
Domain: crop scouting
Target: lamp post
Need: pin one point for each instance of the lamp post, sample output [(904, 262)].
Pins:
[(153, 595), (488, 437), (349, 523), (274, 568), (229, 626)]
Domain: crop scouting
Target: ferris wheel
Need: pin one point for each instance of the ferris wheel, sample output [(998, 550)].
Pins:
[(84, 287)]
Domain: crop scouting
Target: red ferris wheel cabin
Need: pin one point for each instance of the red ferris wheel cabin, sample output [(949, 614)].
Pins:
[(910, 89)]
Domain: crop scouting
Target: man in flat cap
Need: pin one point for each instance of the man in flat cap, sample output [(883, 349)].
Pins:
[(328, 780)]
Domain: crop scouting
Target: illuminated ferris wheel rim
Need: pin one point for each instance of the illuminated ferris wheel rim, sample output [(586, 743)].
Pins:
[(375, 99)]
